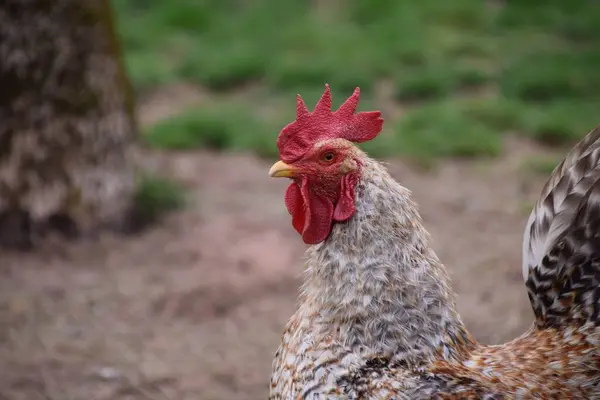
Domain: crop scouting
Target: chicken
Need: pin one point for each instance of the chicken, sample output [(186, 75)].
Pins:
[(377, 318)]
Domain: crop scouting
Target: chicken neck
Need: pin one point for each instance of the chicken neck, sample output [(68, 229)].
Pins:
[(377, 286)]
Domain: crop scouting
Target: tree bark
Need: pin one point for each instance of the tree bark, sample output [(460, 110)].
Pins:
[(67, 131)]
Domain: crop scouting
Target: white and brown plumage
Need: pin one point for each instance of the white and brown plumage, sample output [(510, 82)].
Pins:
[(377, 318)]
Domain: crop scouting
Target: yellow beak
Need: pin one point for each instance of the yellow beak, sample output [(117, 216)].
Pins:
[(282, 170)]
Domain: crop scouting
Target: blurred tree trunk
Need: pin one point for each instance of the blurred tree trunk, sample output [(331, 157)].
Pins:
[(67, 132)]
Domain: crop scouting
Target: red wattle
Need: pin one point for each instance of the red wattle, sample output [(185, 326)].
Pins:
[(295, 206), (312, 215), (319, 217), (344, 207)]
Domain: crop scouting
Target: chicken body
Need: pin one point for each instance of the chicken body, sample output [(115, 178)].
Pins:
[(377, 317), (377, 320)]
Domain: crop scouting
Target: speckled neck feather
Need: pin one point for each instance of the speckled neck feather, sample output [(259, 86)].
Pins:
[(376, 281)]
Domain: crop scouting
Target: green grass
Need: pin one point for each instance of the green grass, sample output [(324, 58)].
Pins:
[(465, 73), (553, 75), (438, 81), (449, 128), (218, 126), (154, 197)]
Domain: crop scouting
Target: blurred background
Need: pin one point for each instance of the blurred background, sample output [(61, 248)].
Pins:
[(184, 100)]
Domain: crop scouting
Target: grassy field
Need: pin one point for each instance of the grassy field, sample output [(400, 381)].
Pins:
[(452, 78)]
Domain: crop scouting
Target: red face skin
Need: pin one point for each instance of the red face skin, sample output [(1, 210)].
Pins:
[(323, 189)]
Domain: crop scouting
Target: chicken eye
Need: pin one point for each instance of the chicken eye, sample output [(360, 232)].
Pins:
[(327, 156)]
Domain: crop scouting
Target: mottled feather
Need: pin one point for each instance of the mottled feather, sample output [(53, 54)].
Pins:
[(559, 199)]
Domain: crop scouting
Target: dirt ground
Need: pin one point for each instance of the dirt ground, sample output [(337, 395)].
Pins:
[(193, 308)]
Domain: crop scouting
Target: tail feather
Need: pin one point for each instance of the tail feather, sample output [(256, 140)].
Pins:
[(565, 177), (561, 247)]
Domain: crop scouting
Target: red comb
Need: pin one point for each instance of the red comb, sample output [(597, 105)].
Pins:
[(309, 128)]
